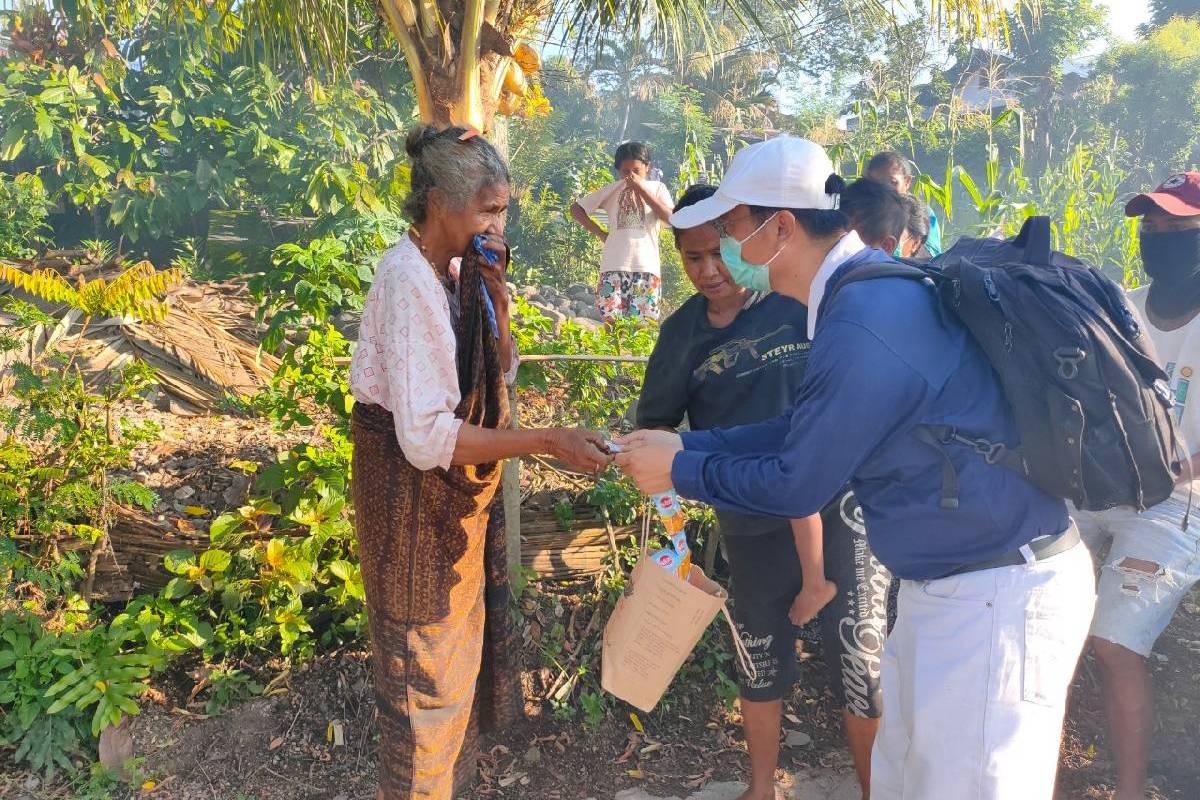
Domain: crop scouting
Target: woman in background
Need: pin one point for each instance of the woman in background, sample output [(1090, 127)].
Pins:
[(630, 285)]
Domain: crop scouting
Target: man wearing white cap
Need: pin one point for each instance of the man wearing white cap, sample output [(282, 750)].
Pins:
[(996, 592)]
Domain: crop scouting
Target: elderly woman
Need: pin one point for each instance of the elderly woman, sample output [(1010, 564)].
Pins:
[(430, 429)]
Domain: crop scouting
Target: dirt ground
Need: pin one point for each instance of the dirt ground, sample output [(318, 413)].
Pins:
[(279, 748), (313, 735)]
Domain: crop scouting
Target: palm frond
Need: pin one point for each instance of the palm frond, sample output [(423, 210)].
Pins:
[(137, 291), (679, 25)]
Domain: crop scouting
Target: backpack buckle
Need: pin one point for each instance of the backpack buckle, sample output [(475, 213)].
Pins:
[(992, 452), (1068, 359), (1164, 393)]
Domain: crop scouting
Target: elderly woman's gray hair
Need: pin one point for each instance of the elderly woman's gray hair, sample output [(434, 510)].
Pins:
[(449, 160)]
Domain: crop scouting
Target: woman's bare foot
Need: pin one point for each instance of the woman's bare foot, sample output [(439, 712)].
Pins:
[(810, 601)]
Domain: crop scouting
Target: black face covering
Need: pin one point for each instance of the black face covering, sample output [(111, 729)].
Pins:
[(1172, 260)]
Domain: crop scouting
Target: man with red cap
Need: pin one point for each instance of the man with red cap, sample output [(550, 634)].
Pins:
[(1154, 558)]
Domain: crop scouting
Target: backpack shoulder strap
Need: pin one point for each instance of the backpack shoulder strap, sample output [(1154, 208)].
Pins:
[(1036, 240), (882, 269)]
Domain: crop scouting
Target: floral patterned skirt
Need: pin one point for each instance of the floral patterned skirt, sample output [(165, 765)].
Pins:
[(629, 295)]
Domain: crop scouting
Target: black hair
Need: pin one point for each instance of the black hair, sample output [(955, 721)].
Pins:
[(876, 211), (819, 223), (918, 219), (442, 159), (692, 195), (887, 161), (631, 151)]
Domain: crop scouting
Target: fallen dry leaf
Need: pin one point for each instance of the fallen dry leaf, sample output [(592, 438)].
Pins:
[(510, 779), (154, 696), (276, 743), (630, 749)]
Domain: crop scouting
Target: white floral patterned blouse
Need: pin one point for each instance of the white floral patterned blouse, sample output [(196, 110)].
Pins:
[(405, 359)]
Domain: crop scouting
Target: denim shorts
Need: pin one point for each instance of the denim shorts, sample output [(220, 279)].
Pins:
[(1150, 566)]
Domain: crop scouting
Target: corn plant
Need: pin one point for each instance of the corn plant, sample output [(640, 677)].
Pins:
[(1081, 195)]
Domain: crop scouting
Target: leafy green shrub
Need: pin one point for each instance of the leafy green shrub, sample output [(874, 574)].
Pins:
[(290, 581), (228, 686), (149, 137), (309, 283), (28, 667), (104, 675), (62, 443), (66, 673), (62, 684), (598, 393), (24, 208), (309, 377)]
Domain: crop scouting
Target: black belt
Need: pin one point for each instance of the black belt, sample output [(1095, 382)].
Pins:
[(1038, 550)]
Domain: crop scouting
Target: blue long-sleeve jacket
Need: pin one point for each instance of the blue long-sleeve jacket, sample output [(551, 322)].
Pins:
[(886, 359)]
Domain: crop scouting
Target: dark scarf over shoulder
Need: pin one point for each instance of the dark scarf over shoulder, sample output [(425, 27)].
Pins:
[(485, 403), (480, 375)]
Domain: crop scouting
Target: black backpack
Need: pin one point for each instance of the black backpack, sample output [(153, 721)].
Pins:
[(1090, 401)]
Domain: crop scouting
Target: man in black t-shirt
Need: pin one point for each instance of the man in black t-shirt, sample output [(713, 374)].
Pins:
[(730, 357)]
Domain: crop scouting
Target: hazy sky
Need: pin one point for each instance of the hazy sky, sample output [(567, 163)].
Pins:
[(1124, 16)]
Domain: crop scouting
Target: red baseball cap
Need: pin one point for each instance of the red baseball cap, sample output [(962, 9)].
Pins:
[(1179, 196)]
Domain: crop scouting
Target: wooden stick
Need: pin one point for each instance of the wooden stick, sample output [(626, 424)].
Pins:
[(537, 358), (510, 490), (564, 673)]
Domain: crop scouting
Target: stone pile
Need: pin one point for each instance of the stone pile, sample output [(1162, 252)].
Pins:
[(577, 303)]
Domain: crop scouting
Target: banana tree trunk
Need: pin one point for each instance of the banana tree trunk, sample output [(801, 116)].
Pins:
[(456, 82)]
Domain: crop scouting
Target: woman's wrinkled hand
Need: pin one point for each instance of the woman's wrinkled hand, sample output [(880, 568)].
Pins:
[(646, 456), (581, 449)]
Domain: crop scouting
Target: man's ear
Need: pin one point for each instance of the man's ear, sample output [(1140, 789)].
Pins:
[(787, 226), (889, 244)]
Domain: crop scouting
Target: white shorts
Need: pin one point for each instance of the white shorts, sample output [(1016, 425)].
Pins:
[(1149, 569), (975, 678)]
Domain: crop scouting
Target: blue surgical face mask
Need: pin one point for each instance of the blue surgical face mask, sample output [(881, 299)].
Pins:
[(755, 277)]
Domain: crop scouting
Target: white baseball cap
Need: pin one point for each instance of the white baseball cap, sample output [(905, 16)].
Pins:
[(784, 172)]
